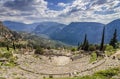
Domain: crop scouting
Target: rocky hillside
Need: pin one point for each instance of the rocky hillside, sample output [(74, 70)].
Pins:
[(48, 28), (28, 38), (4, 32), (35, 40)]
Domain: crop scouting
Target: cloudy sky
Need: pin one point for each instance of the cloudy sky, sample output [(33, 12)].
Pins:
[(64, 11)]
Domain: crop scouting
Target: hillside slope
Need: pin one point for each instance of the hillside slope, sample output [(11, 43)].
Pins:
[(110, 28), (48, 28), (4, 32), (74, 33)]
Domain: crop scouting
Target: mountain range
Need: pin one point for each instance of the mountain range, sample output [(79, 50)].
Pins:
[(8, 36), (48, 28), (74, 33), (70, 34)]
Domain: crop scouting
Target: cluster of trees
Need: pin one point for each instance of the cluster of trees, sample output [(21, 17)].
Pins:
[(114, 41), (8, 39), (90, 47)]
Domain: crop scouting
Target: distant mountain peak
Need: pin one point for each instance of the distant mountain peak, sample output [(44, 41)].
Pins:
[(117, 20), (85, 23)]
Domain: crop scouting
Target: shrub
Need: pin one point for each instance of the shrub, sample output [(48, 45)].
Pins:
[(7, 55), (2, 44), (44, 77), (93, 57), (2, 78), (0, 54), (39, 51), (92, 48), (50, 76), (73, 49), (108, 73), (109, 50)]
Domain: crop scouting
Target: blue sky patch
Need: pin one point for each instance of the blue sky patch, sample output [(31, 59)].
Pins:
[(53, 4)]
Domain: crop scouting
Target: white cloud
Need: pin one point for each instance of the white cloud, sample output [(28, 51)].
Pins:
[(78, 10), (84, 10), (62, 4), (16, 14)]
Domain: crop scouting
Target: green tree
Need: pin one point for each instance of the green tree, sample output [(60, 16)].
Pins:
[(113, 41), (39, 51), (7, 47), (85, 45), (102, 41), (79, 46), (14, 46), (92, 47)]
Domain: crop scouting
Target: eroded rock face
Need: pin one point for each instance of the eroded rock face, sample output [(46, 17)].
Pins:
[(61, 60)]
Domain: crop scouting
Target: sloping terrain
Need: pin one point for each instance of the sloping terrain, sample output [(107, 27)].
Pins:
[(74, 33), (110, 28), (4, 32), (48, 28), (41, 41)]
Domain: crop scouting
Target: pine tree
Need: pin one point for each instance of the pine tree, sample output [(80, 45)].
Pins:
[(85, 39), (14, 46), (85, 45), (79, 46), (102, 41), (7, 47), (114, 41)]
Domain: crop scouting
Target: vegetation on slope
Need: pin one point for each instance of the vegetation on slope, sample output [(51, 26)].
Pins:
[(6, 57), (37, 41), (93, 57)]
